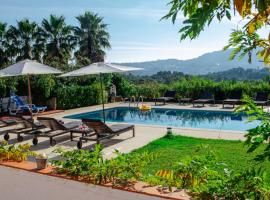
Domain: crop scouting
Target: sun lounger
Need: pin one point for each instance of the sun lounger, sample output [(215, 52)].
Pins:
[(168, 96), (55, 127), (205, 97), (261, 99), (234, 98), (102, 131), (22, 107), (26, 126)]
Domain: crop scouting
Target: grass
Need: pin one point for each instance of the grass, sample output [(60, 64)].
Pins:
[(177, 148)]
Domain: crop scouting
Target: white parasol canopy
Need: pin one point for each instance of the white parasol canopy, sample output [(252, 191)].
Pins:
[(100, 68), (4, 75), (29, 67)]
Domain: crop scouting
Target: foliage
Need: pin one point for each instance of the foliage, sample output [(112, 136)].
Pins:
[(55, 42), (201, 13), (16, 153), (206, 178), (78, 96), (59, 38), (85, 91), (259, 135), (93, 37), (93, 167), (22, 39), (4, 58)]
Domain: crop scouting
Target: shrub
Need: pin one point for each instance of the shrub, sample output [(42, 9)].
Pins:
[(78, 96), (93, 167), (16, 153), (198, 176)]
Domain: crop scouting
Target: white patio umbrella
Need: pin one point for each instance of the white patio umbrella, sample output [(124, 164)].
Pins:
[(28, 68), (100, 68), (4, 75)]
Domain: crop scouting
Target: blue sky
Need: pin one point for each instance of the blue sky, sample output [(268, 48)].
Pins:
[(137, 34)]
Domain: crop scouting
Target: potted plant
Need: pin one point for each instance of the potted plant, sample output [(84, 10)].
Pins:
[(42, 161)]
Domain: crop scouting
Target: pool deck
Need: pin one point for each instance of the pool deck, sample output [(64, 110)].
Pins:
[(125, 142)]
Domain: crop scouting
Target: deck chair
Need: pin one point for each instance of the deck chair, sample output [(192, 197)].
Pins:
[(234, 98), (168, 96), (102, 131), (22, 107), (205, 97), (261, 99), (55, 127), (27, 127)]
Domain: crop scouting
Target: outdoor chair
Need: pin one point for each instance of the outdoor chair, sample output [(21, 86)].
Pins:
[(205, 97), (56, 128), (234, 98), (25, 126), (168, 96), (21, 107), (102, 131), (261, 99)]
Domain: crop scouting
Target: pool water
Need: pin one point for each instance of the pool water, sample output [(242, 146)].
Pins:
[(219, 120)]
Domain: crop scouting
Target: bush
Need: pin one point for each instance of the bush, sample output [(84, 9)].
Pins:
[(198, 176), (16, 153), (75, 96), (93, 167)]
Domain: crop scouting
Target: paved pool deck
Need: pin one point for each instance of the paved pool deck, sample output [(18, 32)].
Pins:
[(23, 185), (125, 142)]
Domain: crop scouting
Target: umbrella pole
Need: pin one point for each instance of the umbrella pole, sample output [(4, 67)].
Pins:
[(102, 98), (30, 96)]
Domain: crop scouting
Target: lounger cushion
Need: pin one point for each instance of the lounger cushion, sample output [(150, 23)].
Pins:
[(202, 100), (164, 98), (261, 102), (232, 100), (121, 127)]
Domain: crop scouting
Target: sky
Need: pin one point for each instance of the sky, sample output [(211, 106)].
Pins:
[(137, 34)]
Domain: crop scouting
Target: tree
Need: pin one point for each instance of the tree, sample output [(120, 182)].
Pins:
[(3, 44), (260, 135), (200, 13), (22, 39), (93, 38), (60, 40)]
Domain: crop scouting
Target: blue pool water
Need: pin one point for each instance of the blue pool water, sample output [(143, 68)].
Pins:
[(219, 120)]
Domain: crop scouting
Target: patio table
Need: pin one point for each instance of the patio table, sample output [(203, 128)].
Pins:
[(82, 132)]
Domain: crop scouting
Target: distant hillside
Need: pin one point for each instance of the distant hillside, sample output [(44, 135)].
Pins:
[(239, 74), (208, 63)]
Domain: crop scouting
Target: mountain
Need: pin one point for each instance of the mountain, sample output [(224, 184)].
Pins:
[(238, 74), (213, 62)]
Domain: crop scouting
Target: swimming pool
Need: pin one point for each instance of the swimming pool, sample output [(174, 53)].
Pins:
[(220, 120)]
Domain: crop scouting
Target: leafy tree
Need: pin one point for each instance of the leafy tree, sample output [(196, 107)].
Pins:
[(22, 39), (201, 13), (60, 40), (93, 38), (261, 134), (3, 42)]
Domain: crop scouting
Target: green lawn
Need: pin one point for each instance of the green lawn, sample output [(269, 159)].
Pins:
[(233, 153)]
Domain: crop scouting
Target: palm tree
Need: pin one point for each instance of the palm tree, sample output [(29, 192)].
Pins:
[(3, 45), (22, 39), (60, 40), (93, 37)]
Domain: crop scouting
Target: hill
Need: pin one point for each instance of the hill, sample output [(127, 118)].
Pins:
[(213, 62), (239, 74)]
